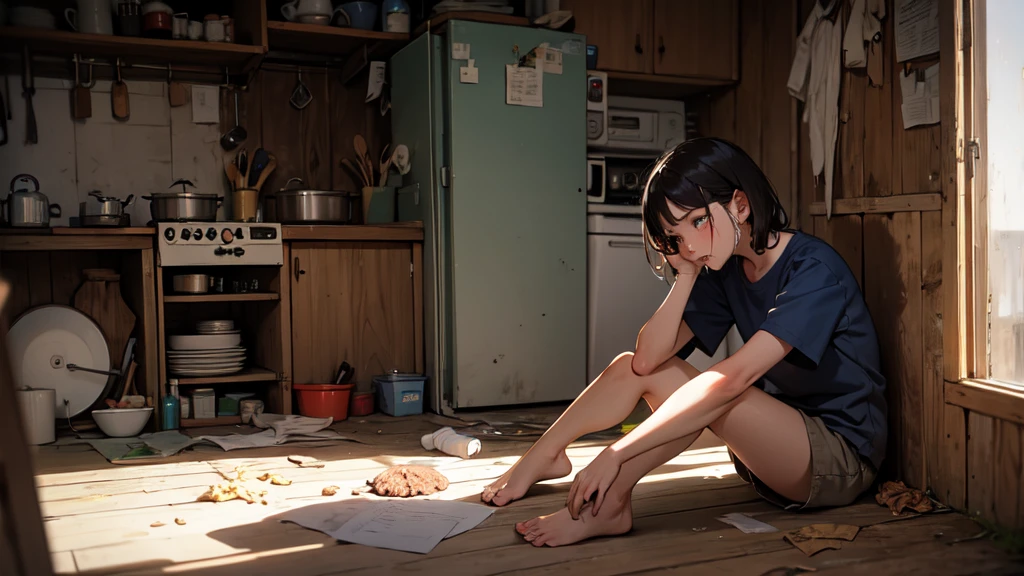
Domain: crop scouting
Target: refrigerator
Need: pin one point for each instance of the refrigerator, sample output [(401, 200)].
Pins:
[(500, 189)]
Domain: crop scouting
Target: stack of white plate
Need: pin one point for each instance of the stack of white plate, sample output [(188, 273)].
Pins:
[(215, 351)]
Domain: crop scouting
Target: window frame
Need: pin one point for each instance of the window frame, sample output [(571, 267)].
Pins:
[(966, 335)]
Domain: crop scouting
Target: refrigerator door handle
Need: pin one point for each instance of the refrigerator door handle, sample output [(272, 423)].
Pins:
[(625, 244)]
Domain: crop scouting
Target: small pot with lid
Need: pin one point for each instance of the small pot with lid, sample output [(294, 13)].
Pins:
[(295, 204), (105, 211), (184, 205)]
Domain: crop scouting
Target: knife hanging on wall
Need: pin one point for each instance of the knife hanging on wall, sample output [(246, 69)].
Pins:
[(28, 90)]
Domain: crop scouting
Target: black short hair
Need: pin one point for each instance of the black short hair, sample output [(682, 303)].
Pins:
[(701, 171)]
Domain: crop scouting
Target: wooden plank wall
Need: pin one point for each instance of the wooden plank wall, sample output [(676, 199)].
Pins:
[(310, 143), (888, 225)]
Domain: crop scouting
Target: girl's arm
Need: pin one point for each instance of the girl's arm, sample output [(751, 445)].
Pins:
[(666, 332)]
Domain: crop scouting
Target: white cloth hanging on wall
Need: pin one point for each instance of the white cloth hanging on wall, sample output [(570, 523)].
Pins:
[(814, 79), (864, 49)]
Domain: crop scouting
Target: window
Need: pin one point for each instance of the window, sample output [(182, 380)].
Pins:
[(998, 189)]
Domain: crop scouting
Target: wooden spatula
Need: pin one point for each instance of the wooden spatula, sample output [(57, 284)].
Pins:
[(119, 96), (81, 98)]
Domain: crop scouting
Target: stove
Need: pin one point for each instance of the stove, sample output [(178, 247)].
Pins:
[(219, 244)]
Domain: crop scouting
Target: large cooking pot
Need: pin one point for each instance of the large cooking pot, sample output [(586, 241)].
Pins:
[(184, 206), (298, 205)]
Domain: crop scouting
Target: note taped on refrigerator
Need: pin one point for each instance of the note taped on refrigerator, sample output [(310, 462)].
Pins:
[(524, 86), (460, 51)]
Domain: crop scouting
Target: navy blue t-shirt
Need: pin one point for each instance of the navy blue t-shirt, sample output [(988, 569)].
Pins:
[(810, 300)]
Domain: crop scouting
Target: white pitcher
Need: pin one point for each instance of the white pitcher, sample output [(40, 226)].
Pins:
[(91, 17)]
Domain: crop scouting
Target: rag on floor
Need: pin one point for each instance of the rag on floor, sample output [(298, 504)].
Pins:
[(898, 497), (448, 441), (817, 537)]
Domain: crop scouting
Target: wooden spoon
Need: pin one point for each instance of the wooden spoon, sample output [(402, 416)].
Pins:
[(271, 164), (360, 173), (363, 154)]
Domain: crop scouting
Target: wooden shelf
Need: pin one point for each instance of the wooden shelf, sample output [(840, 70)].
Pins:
[(132, 49), (247, 297), (661, 86), (204, 422), (253, 374), (37, 241), (399, 231), (330, 40)]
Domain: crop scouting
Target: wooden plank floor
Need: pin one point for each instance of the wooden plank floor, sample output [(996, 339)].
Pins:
[(99, 516)]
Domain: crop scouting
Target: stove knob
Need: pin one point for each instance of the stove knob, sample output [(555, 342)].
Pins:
[(239, 251), (211, 234), (226, 236), (238, 234), (186, 234), (198, 234), (169, 234)]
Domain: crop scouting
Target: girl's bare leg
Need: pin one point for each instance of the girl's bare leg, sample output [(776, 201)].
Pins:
[(767, 435), (606, 402)]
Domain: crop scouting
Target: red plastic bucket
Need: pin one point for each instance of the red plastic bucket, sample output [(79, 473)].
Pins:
[(323, 400)]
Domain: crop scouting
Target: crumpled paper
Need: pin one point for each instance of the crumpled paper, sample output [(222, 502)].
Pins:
[(898, 497), (817, 537)]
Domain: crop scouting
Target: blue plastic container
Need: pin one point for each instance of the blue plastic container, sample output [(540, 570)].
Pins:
[(400, 394)]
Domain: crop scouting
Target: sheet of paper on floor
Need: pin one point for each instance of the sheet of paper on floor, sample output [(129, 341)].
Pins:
[(746, 524), (407, 525)]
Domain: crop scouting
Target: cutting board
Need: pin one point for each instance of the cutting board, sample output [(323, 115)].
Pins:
[(99, 296)]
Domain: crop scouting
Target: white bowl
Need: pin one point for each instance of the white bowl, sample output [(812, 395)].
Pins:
[(122, 422)]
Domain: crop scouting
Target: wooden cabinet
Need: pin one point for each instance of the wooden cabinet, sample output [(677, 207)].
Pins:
[(353, 302), (696, 38), (679, 38), (621, 30)]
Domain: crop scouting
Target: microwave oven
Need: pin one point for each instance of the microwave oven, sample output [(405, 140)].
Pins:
[(638, 125)]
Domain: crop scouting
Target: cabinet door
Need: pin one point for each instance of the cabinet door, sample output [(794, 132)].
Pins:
[(351, 301), (621, 30), (697, 38)]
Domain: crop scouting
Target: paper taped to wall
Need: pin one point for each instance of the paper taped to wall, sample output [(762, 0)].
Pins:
[(920, 97), (917, 28)]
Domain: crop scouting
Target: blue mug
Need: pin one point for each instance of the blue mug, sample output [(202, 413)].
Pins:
[(362, 15)]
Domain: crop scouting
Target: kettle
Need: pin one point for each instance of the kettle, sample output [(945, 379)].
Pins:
[(28, 208)]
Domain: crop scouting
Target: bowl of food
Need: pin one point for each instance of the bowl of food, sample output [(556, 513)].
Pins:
[(122, 422)]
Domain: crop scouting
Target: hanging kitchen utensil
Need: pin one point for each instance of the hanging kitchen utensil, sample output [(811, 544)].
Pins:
[(119, 96), (81, 96), (301, 96), (176, 93), (28, 90), (232, 138), (3, 122)]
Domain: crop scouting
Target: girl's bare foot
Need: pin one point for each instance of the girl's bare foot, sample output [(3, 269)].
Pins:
[(559, 529), (529, 470)]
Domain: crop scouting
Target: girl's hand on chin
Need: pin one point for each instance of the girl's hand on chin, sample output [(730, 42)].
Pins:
[(682, 266)]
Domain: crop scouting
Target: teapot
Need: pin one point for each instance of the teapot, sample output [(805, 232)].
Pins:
[(28, 208)]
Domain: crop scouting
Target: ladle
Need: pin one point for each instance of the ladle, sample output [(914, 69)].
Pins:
[(232, 138)]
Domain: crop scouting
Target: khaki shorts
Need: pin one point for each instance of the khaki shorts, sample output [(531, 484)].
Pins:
[(838, 474)]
